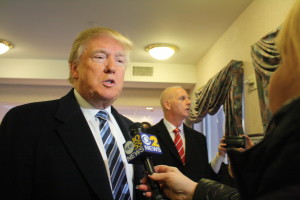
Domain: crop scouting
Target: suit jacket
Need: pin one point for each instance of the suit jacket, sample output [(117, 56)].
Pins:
[(47, 151), (196, 166)]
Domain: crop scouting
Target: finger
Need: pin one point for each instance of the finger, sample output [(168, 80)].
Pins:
[(159, 176), (147, 194), (144, 180), (164, 168), (249, 142), (222, 145), (246, 137), (159, 168), (241, 149), (143, 187)]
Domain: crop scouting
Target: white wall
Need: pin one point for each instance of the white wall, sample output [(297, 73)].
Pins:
[(29, 80), (23, 80), (59, 70), (260, 18)]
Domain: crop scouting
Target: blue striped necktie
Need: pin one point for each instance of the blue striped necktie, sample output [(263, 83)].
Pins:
[(120, 189)]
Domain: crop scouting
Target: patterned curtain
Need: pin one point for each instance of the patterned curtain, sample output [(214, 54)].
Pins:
[(226, 89), (266, 59)]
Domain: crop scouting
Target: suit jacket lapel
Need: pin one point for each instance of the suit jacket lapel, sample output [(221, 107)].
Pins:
[(164, 137), (188, 143), (79, 141)]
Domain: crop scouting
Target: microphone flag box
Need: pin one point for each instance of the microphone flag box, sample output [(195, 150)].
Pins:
[(142, 144)]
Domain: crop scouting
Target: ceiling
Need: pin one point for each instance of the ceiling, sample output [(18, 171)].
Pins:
[(45, 29)]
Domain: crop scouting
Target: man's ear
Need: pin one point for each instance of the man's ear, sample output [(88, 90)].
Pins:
[(73, 70), (167, 105)]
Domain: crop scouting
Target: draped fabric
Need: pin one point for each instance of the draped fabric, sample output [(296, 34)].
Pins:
[(225, 88), (266, 60)]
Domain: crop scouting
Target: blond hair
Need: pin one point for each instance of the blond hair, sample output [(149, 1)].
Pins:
[(288, 39), (88, 34)]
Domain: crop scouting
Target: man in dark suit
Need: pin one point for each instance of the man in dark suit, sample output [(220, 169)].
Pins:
[(53, 149), (192, 158)]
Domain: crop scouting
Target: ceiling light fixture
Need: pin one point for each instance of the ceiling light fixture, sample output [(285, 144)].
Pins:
[(5, 46), (161, 51)]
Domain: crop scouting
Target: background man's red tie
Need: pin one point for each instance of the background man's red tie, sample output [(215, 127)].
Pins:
[(179, 144)]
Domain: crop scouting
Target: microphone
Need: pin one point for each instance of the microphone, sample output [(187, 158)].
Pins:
[(140, 150)]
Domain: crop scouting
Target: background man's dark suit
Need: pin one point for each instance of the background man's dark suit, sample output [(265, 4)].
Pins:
[(196, 166), (60, 146)]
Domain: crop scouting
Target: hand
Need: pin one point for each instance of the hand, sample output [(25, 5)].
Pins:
[(248, 144), (222, 148), (173, 183)]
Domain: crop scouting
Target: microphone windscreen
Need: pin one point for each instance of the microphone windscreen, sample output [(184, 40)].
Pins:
[(135, 128), (141, 145), (135, 125)]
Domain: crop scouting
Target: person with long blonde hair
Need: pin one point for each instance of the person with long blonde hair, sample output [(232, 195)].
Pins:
[(270, 169)]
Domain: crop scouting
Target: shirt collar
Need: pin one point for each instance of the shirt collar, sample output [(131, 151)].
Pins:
[(170, 127), (88, 110)]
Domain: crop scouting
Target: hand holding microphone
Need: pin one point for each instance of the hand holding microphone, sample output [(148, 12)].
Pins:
[(140, 150)]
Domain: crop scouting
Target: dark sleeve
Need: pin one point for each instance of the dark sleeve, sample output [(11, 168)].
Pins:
[(224, 177), (211, 190), (15, 158), (290, 192)]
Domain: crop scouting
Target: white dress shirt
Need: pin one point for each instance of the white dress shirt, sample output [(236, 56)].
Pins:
[(170, 127), (89, 113)]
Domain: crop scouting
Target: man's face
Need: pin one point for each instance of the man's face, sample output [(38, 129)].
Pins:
[(180, 103), (99, 73)]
